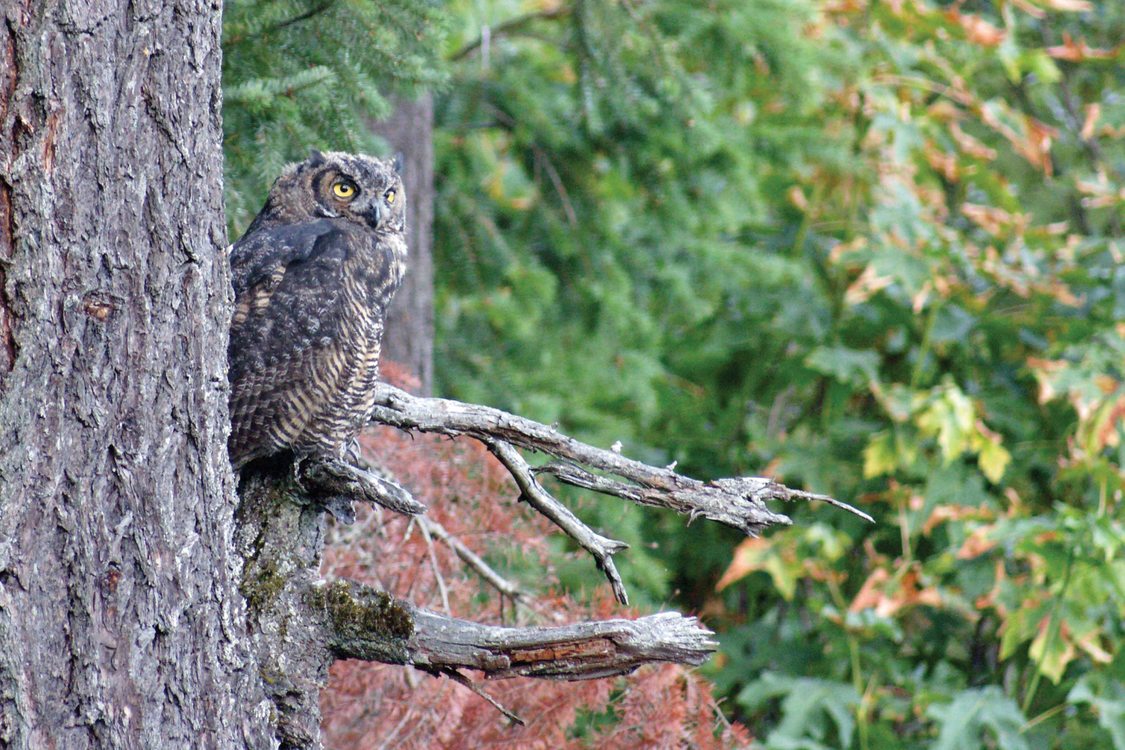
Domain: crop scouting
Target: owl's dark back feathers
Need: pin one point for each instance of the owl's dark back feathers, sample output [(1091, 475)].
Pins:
[(312, 278)]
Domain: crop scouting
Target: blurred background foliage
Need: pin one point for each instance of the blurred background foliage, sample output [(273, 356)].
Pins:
[(873, 249)]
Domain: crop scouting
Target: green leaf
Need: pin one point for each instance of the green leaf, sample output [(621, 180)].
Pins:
[(822, 711), (972, 714), (1107, 698), (850, 366)]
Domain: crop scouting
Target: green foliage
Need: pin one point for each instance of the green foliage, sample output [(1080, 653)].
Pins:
[(301, 74), (974, 712), (873, 249), (816, 714)]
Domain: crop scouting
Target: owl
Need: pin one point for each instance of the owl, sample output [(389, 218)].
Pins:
[(312, 277)]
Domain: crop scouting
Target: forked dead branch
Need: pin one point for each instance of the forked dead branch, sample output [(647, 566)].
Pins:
[(302, 623), (739, 502)]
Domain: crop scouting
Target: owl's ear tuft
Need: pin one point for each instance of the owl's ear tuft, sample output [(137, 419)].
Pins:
[(399, 162), (316, 158)]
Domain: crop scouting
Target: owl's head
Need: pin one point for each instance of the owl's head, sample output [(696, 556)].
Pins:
[(335, 184)]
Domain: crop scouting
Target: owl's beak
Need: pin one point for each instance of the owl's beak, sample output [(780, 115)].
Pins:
[(375, 214)]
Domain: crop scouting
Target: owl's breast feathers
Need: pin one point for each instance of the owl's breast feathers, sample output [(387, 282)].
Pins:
[(305, 337)]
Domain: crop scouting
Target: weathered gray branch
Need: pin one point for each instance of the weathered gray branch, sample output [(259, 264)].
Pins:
[(328, 479), (362, 623), (572, 652), (602, 548), (737, 502), (300, 623)]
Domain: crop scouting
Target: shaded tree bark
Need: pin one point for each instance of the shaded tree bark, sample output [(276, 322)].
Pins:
[(409, 338), (121, 624)]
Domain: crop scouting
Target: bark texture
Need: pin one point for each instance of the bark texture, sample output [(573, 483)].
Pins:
[(409, 338), (121, 624), (301, 623)]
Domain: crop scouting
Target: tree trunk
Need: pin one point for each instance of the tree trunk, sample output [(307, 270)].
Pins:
[(121, 624), (410, 321)]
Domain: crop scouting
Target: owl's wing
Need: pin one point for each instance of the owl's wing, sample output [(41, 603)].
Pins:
[(288, 283)]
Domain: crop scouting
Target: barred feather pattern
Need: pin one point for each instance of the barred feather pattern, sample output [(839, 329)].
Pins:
[(313, 276)]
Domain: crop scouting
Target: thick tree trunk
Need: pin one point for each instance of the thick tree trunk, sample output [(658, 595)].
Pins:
[(121, 624), (410, 321)]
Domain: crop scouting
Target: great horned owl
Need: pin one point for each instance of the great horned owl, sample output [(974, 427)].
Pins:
[(313, 276)]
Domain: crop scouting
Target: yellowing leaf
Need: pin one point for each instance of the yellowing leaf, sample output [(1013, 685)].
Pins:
[(1052, 649), (993, 459), (879, 456), (868, 283), (944, 513), (748, 557), (1089, 643), (950, 417), (761, 554), (890, 596), (978, 30), (1093, 112), (1070, 6), (976, 544), (1073, 51)]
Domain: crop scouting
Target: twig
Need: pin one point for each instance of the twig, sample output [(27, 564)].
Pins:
[(602, 548), (472, 559), (461, 679), (507, 27), (303, 16), (425, 529)]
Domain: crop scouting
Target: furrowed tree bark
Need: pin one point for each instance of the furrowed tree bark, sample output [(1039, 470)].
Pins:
[(121, 624)]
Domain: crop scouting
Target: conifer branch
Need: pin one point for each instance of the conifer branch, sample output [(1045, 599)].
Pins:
[(510, 26)]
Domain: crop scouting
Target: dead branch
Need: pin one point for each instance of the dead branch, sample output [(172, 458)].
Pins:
[(329, 479), (366, 624), (581, 651), (739, 502), (300, 624), (602, 548)]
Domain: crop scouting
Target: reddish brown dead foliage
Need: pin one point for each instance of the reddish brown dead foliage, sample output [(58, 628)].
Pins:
[(377, 706)]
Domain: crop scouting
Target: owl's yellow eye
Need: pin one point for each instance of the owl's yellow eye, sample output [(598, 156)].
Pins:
[(344, 189), (390, 196)]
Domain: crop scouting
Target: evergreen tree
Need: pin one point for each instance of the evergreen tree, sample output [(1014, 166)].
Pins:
[(874, 249)]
